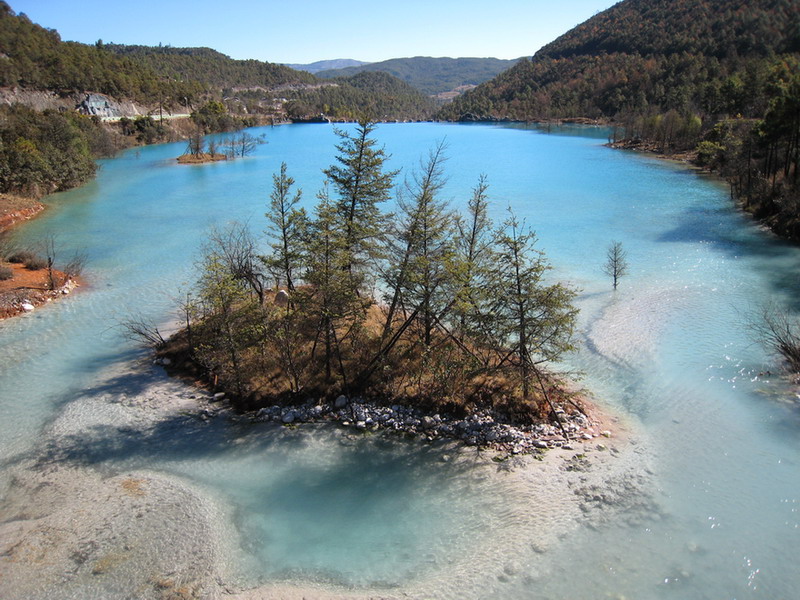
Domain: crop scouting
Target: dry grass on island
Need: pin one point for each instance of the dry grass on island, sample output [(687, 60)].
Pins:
[(197, 159)]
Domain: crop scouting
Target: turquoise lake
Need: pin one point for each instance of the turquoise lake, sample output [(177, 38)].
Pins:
[(669, 351)]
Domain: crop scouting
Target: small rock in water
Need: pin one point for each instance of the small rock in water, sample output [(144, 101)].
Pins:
[(27, 306), (288, 417), (606, 433), (218, 396)]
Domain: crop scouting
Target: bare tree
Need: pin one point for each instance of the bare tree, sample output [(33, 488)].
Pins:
[(779, 331), (196, 143), (235, 247), (212, 147), (616, 262), (75, 265), (49, 249), (246, 144), (139, 329)]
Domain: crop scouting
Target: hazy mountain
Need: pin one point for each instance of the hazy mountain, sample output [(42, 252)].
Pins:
[(432, 75), (324, 65)]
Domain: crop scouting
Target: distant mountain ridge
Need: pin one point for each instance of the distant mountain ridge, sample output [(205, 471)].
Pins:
[(432, 75), (325, 65)]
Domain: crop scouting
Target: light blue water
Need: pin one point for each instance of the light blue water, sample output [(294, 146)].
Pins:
[(669, 349)]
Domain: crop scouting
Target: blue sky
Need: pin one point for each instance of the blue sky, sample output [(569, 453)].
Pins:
[(307, 30)]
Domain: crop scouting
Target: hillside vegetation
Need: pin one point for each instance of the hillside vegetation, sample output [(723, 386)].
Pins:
[(647, 56), (376, 94), (255, 87), (429, 75), (677, 75), (209, 67), (183, 79), (35, 58)]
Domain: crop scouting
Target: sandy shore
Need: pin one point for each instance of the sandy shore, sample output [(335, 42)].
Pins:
[(72, 529)]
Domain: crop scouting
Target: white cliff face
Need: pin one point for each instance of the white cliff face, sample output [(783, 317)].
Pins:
[(88, 103)]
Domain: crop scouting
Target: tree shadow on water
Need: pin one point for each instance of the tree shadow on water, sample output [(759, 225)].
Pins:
[(717, 229), (182, 437)]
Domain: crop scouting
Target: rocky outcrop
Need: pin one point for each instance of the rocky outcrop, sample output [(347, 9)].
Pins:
[(88, 103)]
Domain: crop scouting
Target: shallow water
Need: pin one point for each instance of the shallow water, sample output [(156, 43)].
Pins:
[(668, 350)]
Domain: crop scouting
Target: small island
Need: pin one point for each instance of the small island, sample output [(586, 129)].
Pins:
[(200, 150), (204, 157), (425, 321)]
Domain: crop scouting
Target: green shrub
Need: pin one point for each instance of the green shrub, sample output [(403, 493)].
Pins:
[(6, 273)]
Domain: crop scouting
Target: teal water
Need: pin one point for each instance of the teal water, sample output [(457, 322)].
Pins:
[(669, 350)]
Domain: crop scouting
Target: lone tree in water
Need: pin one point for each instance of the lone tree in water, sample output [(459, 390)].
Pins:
[(616, 262)]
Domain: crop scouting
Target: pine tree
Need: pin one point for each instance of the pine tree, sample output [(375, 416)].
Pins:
[(361, 184), (429, 238), (472, 267), (287, 225), (327, 256), (533, 320)]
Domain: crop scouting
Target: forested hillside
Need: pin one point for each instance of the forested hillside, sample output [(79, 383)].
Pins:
[(261, 87), (722, 78), (211, 68), (431, 75), (375, 94), (648, 55), (33, 57)]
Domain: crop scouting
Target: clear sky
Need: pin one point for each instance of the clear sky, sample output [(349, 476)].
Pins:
[(303, 31)]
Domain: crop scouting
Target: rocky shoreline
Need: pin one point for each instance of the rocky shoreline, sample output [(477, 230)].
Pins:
[(482, 429), (15, 210), (24, 300)]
